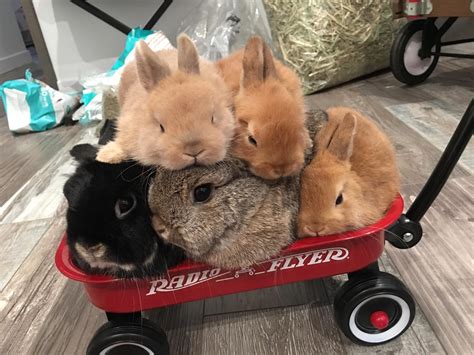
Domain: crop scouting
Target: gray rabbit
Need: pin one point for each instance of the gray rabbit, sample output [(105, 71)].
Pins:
[(225, 216)]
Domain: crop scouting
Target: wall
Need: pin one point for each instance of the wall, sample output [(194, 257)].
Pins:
[(81, 45), (13, 53)]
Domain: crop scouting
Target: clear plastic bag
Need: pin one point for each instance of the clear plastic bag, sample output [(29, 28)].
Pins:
[(95, 85), (219, 27)]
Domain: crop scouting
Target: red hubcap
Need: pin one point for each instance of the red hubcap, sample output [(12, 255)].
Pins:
[(379, 320)]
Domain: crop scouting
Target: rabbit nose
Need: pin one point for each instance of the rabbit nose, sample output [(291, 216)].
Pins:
[(97, 250), (295, 168), (194, 154), (193, 148), (311, 232), (287, 169)]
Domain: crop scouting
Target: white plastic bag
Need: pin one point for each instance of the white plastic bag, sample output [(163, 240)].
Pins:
[(33, 106), (219, 27), (94, 86)]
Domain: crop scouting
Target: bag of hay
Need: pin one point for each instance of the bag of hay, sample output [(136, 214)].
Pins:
[(329, 42)]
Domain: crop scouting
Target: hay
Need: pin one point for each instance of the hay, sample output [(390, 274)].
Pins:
[(331, 41)]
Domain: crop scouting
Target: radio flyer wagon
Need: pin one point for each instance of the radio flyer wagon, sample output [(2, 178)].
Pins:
[(417, 47), (372, 307)]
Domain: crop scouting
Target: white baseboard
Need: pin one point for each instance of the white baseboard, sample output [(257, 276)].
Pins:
[(14, 60)]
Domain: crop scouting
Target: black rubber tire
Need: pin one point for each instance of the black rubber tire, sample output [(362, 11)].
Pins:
[(141, 337), (397, 53), (379, 289)]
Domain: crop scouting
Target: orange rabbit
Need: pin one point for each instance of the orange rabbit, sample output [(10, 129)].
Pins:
[(352, 179), (269, 108)]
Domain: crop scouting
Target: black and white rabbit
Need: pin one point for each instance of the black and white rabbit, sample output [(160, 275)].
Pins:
[(109, 229)]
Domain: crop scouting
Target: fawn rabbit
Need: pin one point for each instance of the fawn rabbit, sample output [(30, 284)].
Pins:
[(353, 178), (269, 108)]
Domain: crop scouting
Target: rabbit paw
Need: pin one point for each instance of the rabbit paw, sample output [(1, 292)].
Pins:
[(111, 153)]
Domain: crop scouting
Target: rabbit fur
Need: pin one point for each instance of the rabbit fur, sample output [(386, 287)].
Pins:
[(353, 178), (175, 110), (269, 108), (243, 220), (99, 241)]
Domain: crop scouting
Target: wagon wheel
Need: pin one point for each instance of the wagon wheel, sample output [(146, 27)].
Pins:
[(375, 309), (141, 337), (405, 61)]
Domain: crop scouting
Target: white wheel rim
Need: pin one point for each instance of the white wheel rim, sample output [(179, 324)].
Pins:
[(107, 349), (412, 61), (391, 333)]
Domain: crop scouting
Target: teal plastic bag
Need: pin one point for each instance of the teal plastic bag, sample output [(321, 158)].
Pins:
[(133, 37), (31, 105), (94, 86)]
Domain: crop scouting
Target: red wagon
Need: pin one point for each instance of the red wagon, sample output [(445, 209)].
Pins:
[(372, 307)]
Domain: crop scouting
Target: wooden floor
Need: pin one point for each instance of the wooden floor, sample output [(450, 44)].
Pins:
[(41, 312)]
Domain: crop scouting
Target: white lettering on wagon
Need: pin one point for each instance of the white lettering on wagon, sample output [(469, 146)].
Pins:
[(183, 281), (315, 257)]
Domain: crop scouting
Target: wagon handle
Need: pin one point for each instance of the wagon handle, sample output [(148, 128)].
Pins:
[(407, 231)]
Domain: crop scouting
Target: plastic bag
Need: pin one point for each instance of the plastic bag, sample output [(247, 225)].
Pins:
[(94, 86), (219, 27), (31, 105), (133, 37)]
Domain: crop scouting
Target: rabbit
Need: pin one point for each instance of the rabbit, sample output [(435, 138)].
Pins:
[(269, 109), (353, 178), (175, 110), (109, 229), (222, 214)]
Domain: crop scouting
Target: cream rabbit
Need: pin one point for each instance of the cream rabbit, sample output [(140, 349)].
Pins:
[(174, 110)]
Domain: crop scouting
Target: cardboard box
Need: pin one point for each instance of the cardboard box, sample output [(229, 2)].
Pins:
[(433, 8)]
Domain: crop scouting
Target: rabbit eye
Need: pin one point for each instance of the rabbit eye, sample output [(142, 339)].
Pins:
[(162, 128), (123, 206), (339, 199), (252, 141), (202, 193), (212, 119)]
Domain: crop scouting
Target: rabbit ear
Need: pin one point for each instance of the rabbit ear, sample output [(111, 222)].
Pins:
[(150, 68), (188, 58), (269, 69), (258, 64), (342, 141), (83, 152)]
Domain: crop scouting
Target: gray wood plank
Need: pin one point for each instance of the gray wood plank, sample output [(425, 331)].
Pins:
[(70, 324), (31, 294), (23, 156), (41, 196), (16, 242), (305, 329), (435, 124), (183, 326), (439, 269), (279, 296)]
